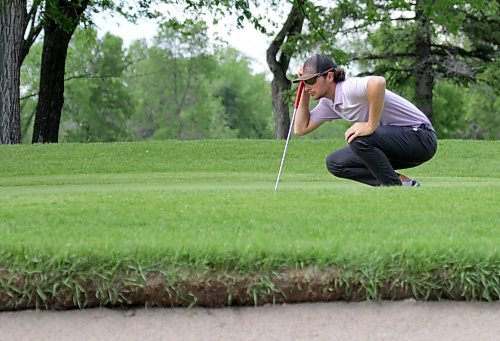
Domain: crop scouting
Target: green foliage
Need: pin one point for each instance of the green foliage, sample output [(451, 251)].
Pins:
[(243, 10), (463, 52), (181, 87), (491, 76), (245, 99), (175, 88), (65, 14), (450, 110), (97, 105), (482, 113), (30, 77), (466, 113), (195, 94), (172, 81)]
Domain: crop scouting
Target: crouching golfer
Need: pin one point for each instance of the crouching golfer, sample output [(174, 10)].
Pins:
[(388, 132)]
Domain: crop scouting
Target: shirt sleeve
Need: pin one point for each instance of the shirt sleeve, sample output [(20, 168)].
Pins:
[(323, 111), (356, 88)]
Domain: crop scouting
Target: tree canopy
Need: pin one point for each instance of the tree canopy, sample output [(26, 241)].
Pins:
[(167, 89), (439, 54)]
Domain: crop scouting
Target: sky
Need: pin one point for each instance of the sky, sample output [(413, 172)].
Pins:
[(248, 40)]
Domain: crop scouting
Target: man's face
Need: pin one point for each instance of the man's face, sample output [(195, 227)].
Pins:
[(318, 88)]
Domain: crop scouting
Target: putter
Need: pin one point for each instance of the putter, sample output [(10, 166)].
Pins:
[(295, 106)]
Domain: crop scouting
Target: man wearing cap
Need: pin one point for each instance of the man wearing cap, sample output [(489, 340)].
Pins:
[(388, 132)]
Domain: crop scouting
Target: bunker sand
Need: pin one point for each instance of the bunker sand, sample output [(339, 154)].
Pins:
[(402, 320)]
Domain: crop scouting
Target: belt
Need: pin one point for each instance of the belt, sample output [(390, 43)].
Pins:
[(427, 127)]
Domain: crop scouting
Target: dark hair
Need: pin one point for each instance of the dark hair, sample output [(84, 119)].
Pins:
[(339, 75)]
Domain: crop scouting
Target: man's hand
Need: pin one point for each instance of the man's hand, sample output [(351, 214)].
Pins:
[(358, 129)]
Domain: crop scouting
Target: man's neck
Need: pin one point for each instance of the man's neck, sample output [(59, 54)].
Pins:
[(331, 92)]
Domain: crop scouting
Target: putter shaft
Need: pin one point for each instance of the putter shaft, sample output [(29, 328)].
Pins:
[(295, 106), (284, 151)]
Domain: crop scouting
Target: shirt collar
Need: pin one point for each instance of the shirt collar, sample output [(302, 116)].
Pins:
[(338, 94)]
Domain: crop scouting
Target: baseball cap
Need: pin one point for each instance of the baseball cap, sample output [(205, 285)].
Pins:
[(314, 66)]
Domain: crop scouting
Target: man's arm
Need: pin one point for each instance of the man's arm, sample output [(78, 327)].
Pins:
[(375, 91), (303, 124)]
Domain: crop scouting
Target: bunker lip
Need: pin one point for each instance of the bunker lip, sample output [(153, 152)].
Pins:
[(214, 290)]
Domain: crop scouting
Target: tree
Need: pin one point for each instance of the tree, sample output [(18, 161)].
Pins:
[(171, 80), (451, 106), (245, 97), (14, 21), (11, 38), (482, 115), (421, 41), (62, 18), (183, 91), (97, 102), (280, 51), (471, 113), (279, 65)]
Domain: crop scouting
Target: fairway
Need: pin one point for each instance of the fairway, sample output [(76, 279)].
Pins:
[(108, 221)]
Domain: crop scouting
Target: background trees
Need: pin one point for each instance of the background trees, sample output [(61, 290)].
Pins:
[(246, 98), (172, 88), (98, 103), (175, 93), (419, 44), (187, 91), (440, 55)]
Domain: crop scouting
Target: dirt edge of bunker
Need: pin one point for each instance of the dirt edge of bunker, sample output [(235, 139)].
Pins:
[(217, 289)]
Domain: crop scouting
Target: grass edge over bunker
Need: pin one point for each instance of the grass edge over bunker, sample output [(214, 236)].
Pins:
[(125, 286)]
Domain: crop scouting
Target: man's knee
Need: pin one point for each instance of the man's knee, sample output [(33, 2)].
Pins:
[(335, 166)]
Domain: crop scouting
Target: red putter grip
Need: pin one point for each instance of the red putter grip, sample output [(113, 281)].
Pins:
[(299, 94)]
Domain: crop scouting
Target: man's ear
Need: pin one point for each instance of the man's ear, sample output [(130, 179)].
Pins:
[(331, 76)]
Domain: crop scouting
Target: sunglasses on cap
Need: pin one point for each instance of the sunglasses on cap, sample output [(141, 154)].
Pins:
[(312, 81)]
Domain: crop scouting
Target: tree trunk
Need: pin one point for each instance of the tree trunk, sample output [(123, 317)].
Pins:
[(51, 91), (280, 84), (13, 20), (54, 52), (423, 63)]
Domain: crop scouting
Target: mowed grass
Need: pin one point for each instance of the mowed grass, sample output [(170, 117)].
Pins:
[(211, 205)]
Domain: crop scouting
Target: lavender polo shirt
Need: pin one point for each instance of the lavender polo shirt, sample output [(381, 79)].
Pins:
[(351, 103)]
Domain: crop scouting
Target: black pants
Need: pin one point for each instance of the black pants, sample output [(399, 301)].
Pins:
[(372, 159)]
